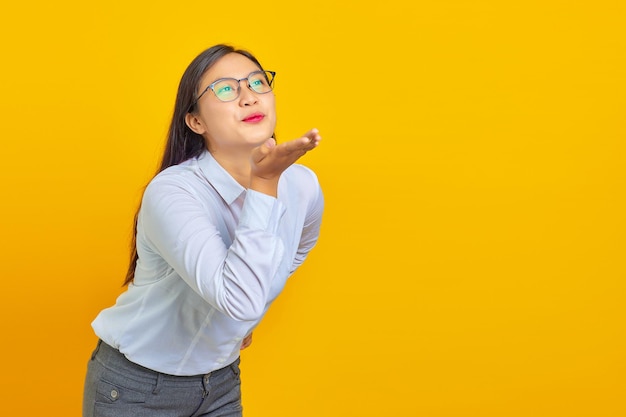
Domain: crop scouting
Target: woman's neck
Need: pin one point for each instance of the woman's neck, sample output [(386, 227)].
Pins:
[(237, 165)]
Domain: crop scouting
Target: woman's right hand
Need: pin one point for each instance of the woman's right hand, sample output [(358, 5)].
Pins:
[(269, 160)]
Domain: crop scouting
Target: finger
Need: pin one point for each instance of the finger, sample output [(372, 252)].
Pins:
[(247, 341), (295, 145), (313, 135), (305, 143), (262, 151)]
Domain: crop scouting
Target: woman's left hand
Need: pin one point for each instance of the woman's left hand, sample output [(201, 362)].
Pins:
[(247, 341)]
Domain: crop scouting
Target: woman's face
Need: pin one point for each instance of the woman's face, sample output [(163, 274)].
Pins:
[(238, 125)]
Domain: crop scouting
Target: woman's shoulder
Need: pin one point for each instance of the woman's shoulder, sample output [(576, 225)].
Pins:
[(180, 172), (302, 188), (301, 183), (302, 177), (302, 173), (181, 176)]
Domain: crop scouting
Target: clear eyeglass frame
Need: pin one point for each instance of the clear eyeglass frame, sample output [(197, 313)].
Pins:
[(229, 89)]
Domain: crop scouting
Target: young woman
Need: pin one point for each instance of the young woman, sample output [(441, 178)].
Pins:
[(226, 220)]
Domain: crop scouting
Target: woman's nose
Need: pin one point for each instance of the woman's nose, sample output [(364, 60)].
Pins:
[(247, 97)]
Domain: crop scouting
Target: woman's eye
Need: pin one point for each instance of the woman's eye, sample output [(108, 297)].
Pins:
[(224, 89)]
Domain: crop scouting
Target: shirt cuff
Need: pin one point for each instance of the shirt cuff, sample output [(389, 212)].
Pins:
[(261, 212)]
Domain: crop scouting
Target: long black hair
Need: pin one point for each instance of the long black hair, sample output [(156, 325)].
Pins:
[(182, 143)]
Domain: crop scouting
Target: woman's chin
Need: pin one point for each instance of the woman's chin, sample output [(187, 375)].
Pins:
[(258, 139)]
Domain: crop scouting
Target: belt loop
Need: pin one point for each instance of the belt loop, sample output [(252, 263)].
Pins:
[(206, 378), (95, 352), (159, 383)]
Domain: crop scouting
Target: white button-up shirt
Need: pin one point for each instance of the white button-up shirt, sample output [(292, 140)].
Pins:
[(212, 257)]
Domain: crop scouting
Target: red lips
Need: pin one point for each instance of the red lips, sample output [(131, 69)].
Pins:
[(254, 118)]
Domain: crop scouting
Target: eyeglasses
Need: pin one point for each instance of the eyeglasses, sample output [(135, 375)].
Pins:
[(228, 89)]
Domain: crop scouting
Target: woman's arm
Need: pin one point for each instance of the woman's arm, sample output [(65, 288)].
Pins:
[(312, 224), (234, 279)]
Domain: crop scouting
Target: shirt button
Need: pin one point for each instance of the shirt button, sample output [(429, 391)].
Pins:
[(114, 394)]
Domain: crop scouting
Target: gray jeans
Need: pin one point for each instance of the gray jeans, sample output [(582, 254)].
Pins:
[(116, 387)]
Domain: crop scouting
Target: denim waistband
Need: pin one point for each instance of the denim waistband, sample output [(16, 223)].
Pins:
[(113, 359)]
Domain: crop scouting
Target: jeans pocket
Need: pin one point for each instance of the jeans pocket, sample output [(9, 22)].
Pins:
[(110, 393)]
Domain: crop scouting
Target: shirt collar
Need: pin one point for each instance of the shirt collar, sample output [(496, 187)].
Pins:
[(219, 178)]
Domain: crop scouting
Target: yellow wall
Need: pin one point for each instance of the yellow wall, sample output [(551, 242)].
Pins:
[(472, 256)]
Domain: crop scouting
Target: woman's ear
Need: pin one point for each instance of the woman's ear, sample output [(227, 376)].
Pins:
[(194, 123)]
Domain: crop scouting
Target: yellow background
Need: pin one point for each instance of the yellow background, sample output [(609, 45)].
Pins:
[(472, 254)]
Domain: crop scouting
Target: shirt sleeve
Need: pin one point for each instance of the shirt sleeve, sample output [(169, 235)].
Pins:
[(312, 224), (236, 279)]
